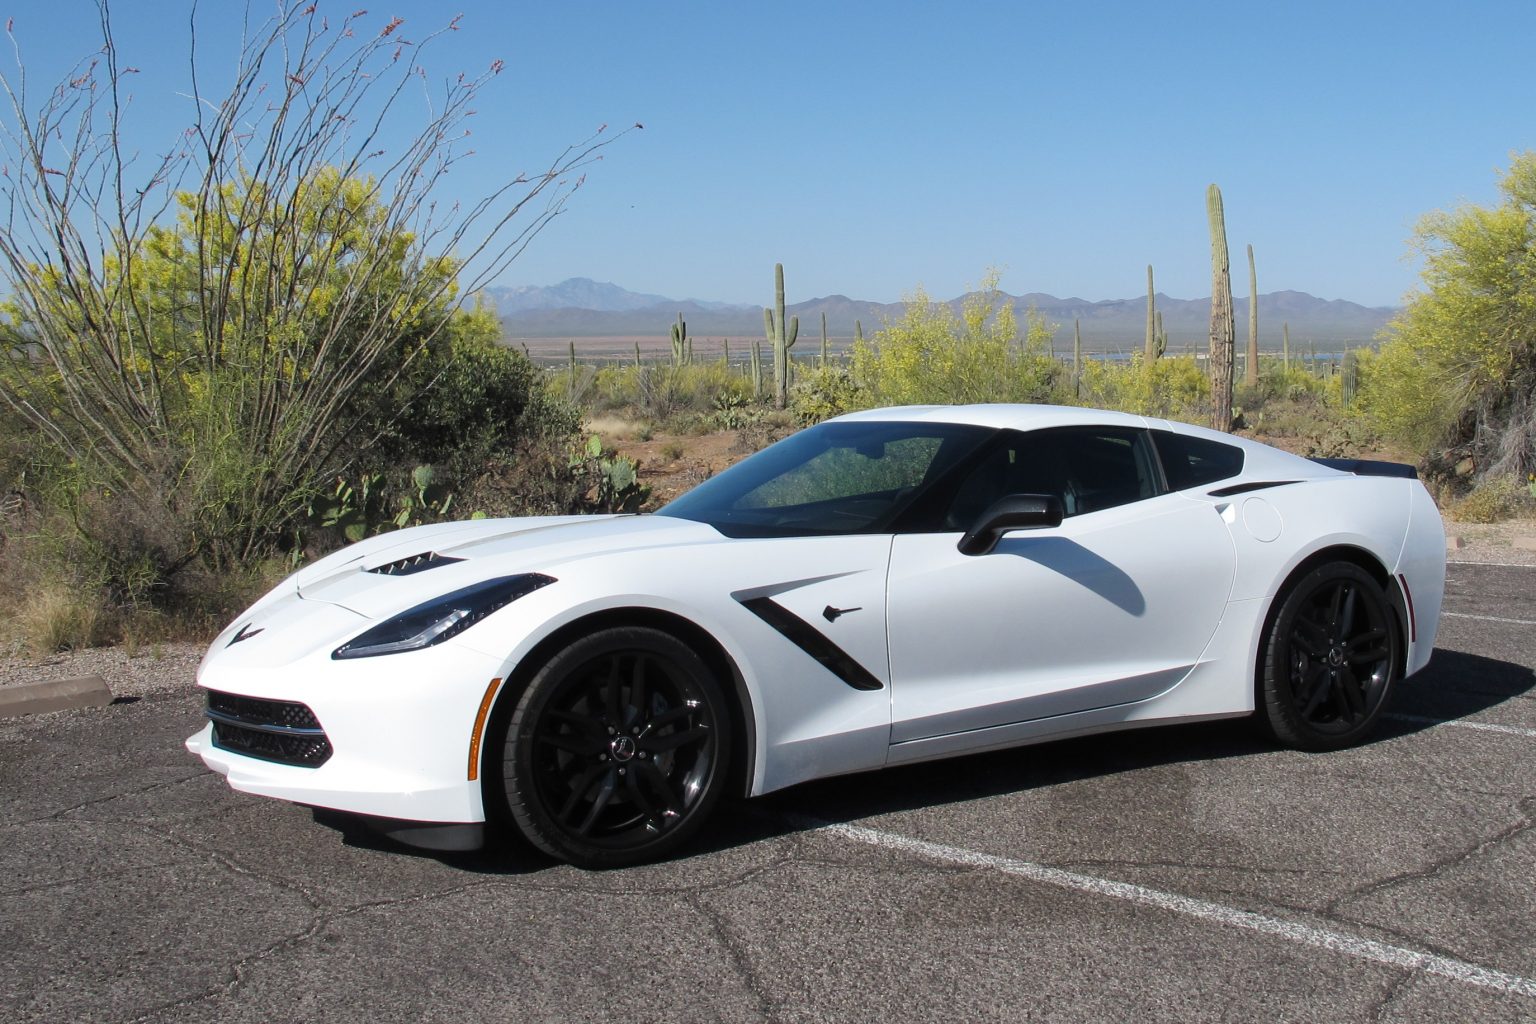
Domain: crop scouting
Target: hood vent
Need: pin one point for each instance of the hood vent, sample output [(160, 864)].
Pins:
[(413, 564)]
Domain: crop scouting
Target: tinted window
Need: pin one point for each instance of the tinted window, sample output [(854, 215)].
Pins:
[(1192, 461), (1089, 468), (830, 479)]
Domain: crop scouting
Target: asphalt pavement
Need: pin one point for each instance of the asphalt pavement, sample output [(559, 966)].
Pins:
[(1186, 874)]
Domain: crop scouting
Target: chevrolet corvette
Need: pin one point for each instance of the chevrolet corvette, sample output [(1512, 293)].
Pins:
[(886, 587)]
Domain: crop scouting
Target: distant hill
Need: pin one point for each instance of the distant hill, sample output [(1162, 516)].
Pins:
[(582, 308), (583, 293)]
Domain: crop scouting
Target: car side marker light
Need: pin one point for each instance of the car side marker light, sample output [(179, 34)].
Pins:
[(479, 731)]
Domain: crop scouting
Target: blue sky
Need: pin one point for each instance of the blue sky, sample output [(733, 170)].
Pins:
[(872, 147)]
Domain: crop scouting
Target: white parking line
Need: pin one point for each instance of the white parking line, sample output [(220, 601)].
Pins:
[(1487, 618), (1322, 938), (1513, 730)]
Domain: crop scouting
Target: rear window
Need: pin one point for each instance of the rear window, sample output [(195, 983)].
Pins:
[(1194, 461)]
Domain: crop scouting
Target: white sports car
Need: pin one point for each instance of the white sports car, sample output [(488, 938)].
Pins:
[(887, 587)]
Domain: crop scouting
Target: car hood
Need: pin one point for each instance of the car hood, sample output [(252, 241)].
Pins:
[(377, 579)]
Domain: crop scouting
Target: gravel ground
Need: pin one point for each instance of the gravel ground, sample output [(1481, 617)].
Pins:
[(173, 666), (170, 666)]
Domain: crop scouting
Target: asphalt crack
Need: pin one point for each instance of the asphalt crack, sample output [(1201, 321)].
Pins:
[(1437, 867)]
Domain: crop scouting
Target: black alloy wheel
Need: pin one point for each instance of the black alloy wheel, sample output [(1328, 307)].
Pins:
[(617, 750), (1330, 658)]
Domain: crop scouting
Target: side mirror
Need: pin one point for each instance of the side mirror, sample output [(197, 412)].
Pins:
[(1010, 512)]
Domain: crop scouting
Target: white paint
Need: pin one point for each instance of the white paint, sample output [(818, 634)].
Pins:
[(1512, 730), (1292, 931), (1488, 618)]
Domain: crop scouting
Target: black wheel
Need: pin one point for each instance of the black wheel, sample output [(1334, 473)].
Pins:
[(1329, 660), (617, 750)]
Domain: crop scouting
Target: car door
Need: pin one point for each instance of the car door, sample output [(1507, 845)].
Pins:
[(1113, 606)]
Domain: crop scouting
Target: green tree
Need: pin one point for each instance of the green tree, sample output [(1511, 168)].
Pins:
[(1456, 375)]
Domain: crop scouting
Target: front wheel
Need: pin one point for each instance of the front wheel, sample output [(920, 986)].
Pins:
[(617, 750), (1330, 657)]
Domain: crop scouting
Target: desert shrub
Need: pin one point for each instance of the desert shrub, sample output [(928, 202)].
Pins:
[(1456, 376), (822, 392), (1494, 501), (1173, 387), (200, 345), (934, 356)]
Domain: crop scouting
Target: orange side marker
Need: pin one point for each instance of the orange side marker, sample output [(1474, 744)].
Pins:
[(474, 737)]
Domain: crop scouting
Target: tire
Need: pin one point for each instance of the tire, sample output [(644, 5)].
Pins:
[(1330, 658), (617, 750)]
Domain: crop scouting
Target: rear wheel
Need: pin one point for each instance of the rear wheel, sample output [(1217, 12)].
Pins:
[(617, 750), (1329, 660)]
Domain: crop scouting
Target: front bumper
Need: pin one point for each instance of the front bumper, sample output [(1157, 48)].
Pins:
[(399, 728)]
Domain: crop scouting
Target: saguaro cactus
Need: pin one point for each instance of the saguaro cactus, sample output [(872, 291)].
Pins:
[(680, 346), (858, 332), (781, 336), (1077, 358), (1285, 345), (1222, 329), (1350, 379), (823, 339), (727, 358), (1160, 336), (757, 369), (1151, 351), (1251, 367), (573, 368)]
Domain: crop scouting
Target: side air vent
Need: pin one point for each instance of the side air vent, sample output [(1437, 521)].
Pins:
[(413, 564), (810, 640)]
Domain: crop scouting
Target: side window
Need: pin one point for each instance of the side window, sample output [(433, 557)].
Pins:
[(1089, 468), (1193, 461)]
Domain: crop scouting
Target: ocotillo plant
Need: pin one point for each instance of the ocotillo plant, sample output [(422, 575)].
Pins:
[(681, 349), (757, 370), (1222, 328), (823, 339), (1151, 351), (1251, 368), (781, 336)]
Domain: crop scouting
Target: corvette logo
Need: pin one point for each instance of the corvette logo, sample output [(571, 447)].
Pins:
[(245, 633)]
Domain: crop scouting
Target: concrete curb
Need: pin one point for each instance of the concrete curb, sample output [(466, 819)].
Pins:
[(54, 695)]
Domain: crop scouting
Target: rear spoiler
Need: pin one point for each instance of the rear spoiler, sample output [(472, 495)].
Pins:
[(1371, 467)]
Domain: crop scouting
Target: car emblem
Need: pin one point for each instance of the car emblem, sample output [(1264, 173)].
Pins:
[(623, 748), (245, 633)]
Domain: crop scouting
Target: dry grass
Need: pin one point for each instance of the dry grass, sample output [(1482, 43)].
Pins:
[(54, 618)]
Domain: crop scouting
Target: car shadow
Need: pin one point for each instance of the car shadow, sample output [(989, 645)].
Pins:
[(1455, 685)]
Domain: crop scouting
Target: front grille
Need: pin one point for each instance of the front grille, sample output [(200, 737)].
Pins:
[(272, 730)]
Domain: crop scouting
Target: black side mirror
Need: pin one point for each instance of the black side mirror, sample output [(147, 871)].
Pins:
[(1010, 512)]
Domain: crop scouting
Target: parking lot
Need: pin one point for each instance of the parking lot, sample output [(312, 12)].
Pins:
[(1192, 873)]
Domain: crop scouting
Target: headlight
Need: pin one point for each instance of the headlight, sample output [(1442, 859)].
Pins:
[(440, 618)]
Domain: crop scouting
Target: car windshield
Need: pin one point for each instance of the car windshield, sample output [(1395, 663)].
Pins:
[(829, 479)]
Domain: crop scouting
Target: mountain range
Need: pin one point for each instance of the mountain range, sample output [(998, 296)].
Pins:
[(583, 308)]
